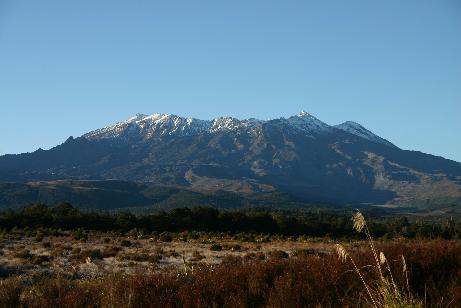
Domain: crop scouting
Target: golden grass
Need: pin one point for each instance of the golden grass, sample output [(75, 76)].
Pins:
[(383, 292)]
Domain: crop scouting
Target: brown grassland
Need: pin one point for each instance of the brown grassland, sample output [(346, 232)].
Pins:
[(107, 270)]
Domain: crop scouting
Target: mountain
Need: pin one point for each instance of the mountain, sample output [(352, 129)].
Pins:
[(358, 130), (299, 155)]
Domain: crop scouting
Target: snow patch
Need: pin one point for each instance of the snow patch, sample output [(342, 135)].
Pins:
[(356, 129), (155, 125)]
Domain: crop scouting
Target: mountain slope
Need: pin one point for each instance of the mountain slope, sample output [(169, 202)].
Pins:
[(358, 130), (300, 155), (128, 195)]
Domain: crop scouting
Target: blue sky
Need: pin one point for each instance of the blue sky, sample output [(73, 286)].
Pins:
[(67, 67)]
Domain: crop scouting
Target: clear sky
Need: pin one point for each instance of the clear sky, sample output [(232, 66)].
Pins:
[(67, 67)]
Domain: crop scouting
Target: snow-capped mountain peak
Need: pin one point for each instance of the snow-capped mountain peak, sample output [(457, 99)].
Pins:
[(136, 117), (303, 114), (305, 121), (158, 124), (224, 123), (356, 129)]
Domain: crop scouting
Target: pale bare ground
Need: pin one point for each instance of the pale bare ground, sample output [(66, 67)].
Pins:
[(102, 254)]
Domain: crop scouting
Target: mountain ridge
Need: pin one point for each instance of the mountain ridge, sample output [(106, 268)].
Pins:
[(170, 124), (299, 155)]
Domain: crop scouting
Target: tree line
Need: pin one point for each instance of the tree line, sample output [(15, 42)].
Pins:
[(302, 222)]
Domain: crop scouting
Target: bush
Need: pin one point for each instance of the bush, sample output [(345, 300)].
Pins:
[(196, 256), (93, 254), (80, 235), (165, 237), (303, 252), (39, 236), (109, 252), (125, 243), (236, 247), (170, 253), (215, 247), (277, 254), (23, 254), (37, 260)]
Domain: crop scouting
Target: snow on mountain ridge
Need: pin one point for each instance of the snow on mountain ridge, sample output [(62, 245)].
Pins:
[(304, 121), (148, 126), (356, 129), (169, 124)]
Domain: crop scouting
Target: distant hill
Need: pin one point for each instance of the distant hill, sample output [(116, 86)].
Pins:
[(141, 197), (300, 156)]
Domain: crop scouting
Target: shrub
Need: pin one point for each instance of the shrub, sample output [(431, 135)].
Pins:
[(165, 237), (80, 235), (236, 247), (23, 254), (277, 254), (170, 253), (303, 252), (37, 260), (254, 256), (39, 236), (215, 247), (111, 251), (125, 243), (93, 254), (196, 256)]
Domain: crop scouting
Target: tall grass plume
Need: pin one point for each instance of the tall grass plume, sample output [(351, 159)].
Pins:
[(385, 292)]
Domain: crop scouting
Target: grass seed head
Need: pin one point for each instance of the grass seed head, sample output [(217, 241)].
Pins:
[(382, 258), (404, 264), (359, 221), (342, 253)]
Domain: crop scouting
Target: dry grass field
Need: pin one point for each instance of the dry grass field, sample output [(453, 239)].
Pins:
[(171, 270), (47, 259), (103, 253)]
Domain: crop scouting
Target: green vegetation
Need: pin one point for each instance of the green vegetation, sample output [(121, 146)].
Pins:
[(137, 197), (244, 224)]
